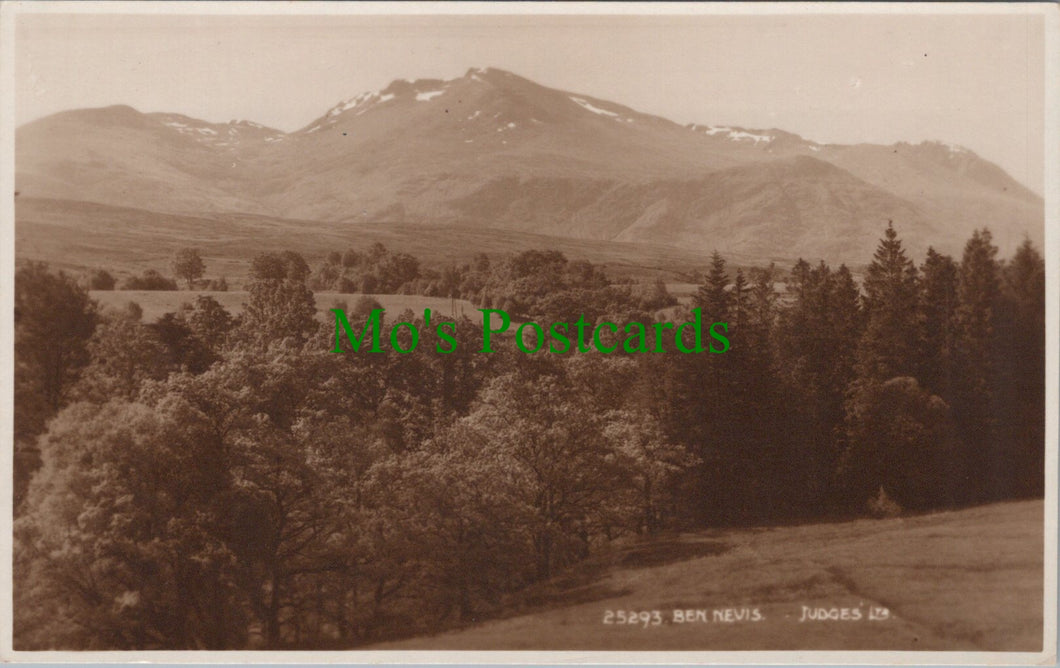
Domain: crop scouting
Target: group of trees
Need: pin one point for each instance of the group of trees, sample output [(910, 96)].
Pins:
[(187, 265), (374, 271), (528, 284), (215, 482)]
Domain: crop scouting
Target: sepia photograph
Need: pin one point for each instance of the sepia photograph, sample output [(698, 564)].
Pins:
[(508, 332)]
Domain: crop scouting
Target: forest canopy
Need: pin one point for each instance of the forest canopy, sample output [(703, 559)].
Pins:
[(212, 481)]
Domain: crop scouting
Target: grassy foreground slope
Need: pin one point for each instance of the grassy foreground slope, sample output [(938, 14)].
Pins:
[(963, 580)]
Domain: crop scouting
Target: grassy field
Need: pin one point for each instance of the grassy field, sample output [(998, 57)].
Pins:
[(963, 580), (77, 236), (156, 303)]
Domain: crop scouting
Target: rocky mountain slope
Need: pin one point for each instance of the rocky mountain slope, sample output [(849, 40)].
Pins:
[(494, 150)]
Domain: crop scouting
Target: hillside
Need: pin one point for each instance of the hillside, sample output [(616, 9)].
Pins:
[(964, 580), (492, 150), (76, 236)]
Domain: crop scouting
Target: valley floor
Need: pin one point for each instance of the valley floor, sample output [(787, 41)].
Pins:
[(963, 580)]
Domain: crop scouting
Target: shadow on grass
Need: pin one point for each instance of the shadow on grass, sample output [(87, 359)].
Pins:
[(584, 583), (660, 553)]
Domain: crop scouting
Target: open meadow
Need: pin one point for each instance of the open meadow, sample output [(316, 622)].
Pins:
[(962, 580), (156, 303)]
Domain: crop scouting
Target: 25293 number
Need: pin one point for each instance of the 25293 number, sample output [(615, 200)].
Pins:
[(644, 618)]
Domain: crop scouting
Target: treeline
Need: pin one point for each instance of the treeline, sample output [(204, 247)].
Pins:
[(528, 284), (187, 264), (210, 482)]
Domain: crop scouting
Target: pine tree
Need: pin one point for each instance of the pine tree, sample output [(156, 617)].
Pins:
[(818, 340), (712, 297), (889, 344), (975, 394), (1022, 369), (937, 319)]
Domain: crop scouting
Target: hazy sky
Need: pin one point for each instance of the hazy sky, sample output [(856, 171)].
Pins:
[(974, 80)]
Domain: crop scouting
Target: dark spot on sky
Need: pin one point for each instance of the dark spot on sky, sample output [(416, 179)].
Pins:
[(343, 134)]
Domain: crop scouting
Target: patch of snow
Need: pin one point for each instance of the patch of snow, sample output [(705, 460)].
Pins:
[(736, 135), (174, 124), (207, 131), (815, 149), (272, 139), (596, 110), (425, 96), (469, 141), (511, 125), (474, 116), (313, 129), (386, 98), (353, 102)]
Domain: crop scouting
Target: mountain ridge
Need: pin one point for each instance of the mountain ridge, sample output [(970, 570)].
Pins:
[(494, 149)]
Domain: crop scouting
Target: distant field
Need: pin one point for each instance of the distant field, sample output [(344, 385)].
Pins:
[(965, 580), (156, 303), (78, 236)]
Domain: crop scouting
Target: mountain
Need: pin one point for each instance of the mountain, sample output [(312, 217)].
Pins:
[(494, 150)]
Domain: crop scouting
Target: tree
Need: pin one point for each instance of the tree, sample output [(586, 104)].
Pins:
[(712, 297), (280, 306), (210, 322), (648, 465), (54, 320), (888, 346), (976, 369), (188, 265), (1021, 400), (363, 307), (556, 457), (100, 279), (937, 320), (116, 550), (818, 337), (901, 440), (124, 354), (150, 280)]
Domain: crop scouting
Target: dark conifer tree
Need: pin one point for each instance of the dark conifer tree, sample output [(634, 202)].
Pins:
[(818, 338), (937, 320), (1021, 386), (888, 346), (713, 297), (977, 346)]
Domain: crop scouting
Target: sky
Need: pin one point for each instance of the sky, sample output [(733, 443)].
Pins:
[(973, 80)]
